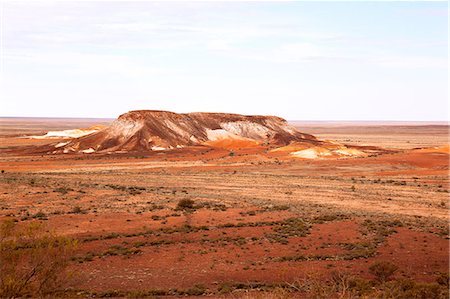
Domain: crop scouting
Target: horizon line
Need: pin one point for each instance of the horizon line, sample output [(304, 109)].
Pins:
[(447, 121)]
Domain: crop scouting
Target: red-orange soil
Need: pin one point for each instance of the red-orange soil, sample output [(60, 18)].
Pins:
[(259, 215)]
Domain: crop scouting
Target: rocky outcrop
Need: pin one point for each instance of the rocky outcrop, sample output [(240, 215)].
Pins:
[(145, 130)]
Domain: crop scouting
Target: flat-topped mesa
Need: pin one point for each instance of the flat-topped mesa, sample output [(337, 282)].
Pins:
[(144, 130)]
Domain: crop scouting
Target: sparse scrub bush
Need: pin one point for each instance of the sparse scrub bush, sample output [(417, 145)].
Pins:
[(408, 289), (269, 208), (120, 250), (211, 205), (32, 262), (111, 236), (342, 285), (358, 250), (329, 218), (63, 190), (185, 204), (278, 208), (293, 227), (77, 210), (157, 217), (381, 229), (40, 215), (248, 213), (197, 290), (443, 279), (132, 190), (383, 270), (153, 207), (224, 289)]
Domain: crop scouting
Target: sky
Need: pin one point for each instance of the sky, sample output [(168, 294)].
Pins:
[(298, 60)]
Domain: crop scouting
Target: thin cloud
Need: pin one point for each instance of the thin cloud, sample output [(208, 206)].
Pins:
[(413, 62), (90, 64)]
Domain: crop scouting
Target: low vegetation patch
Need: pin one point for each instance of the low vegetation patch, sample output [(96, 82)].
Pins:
[(330, 218), (63, 190), (338, 285), (383, 270), (211, 205), (32, 261), (185, 204), (132, 190)]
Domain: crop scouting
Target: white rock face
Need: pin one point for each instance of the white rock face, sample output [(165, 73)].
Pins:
[(125, 128), (289, 128), (350, 152), (220, 134), (318, 152), (75, 133), (158, 148), (311, 153), (246, 129), (68, 150), (193, 139), (61, 144), (88, 151)]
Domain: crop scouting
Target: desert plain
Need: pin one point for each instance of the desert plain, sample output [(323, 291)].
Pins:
[(234, 222)]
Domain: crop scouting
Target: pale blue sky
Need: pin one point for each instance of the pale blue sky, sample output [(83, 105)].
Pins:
[(298, 60)]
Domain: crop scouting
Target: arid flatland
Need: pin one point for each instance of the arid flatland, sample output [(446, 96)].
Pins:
[(260, 221)]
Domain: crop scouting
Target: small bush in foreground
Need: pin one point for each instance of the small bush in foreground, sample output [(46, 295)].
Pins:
[(32, 262)]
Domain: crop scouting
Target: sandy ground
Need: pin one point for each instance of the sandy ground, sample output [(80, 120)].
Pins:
[(258, 216), (396, 135)]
